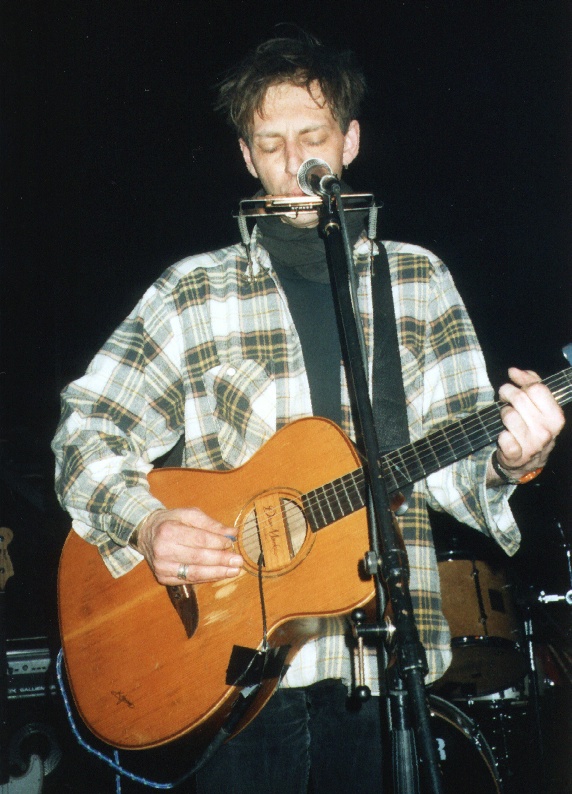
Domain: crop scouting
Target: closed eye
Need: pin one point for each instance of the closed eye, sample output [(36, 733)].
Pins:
[(318, 142)]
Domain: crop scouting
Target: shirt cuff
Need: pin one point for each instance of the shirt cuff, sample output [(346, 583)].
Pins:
[(496, 509)]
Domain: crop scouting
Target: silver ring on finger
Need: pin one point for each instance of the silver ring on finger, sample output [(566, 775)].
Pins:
[(182, 572)]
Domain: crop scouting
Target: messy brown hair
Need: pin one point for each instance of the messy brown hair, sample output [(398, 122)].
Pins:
[(301, 61)]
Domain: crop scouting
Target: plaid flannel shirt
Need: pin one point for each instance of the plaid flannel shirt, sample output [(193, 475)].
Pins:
[(210, 353)]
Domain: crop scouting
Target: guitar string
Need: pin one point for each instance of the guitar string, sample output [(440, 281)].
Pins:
[(432, 452), (253, 525), (291, 510), (469, 431), (262, 601), (323, 495)]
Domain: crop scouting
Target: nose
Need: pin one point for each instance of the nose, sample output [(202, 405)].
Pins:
[(294, 158)]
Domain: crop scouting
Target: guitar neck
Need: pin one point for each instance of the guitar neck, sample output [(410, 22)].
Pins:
[(440, 448), (415, 461)]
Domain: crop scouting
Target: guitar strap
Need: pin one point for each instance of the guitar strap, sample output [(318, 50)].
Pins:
[(388, 401)]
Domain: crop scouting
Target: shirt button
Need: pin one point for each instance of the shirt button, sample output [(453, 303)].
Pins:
[(231, 371)]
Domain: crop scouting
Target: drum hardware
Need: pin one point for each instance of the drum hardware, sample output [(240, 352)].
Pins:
[(506, 697), (551, 599), (504, 719), (562, 659), (509, 715), (544, 598)]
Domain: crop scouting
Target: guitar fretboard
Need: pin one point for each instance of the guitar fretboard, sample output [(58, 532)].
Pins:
[(417, 460)]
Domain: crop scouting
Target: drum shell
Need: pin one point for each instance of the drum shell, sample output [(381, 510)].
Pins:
[(461, 602), (485, 631)]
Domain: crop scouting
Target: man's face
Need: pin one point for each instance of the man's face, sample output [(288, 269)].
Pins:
[(292, 127)]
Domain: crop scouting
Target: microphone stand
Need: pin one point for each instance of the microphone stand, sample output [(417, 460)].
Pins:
[(388, 557)]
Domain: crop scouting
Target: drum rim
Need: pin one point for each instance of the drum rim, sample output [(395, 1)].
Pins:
[(464, 554), (474, 735)]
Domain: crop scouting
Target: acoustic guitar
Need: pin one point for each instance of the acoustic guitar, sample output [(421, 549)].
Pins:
[(149, 664)]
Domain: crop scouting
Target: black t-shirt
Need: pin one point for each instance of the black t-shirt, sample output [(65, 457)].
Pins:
[(312, 307)]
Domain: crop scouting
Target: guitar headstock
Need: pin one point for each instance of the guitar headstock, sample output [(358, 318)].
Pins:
[(6, 569)]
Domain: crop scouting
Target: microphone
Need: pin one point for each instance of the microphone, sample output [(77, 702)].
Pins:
[(316, 178)]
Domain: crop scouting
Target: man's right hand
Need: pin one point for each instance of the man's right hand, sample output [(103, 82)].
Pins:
[(186, 540)]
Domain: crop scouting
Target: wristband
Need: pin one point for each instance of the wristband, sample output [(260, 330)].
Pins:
[(530, 475), (505, 476)]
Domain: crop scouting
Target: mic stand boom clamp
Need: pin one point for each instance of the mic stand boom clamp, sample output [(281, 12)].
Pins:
[(388, 557)]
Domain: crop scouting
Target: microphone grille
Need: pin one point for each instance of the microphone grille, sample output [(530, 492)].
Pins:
[(306, 169)]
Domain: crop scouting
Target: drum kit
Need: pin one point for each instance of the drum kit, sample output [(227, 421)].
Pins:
[(486, 710)]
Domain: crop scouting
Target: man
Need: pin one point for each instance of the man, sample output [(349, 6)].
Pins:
[(228, 347)]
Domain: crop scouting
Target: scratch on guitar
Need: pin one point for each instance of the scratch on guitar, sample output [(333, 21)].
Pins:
[(121, 698)]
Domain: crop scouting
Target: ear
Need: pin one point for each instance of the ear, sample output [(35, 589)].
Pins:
[(244, 148), (351, 143)]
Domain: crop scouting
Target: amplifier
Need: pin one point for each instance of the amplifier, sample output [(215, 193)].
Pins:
[(31, 670)]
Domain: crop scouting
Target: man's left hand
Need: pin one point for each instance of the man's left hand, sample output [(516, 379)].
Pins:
[(532, 419)]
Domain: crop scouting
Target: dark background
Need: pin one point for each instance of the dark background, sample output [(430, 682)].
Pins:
[(114, 165)]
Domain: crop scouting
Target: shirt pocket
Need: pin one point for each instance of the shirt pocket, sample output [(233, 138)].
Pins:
[(243, 395)]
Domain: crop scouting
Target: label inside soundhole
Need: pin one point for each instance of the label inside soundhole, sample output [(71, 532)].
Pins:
[(272, 530)]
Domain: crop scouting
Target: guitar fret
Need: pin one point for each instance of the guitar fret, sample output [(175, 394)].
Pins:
[(417, 460), (442, 445), (344, 497), (491, 429), (462, 444), (358, 490), (402, 466), (394, 478), (308, 501), (347, 493), (327, 503), (320, 519), (423, 448)]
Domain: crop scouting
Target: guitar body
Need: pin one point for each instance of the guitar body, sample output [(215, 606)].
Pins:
[(147, 666), (138, 679)]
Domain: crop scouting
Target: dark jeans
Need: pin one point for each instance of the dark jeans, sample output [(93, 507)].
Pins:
[(313, 739)]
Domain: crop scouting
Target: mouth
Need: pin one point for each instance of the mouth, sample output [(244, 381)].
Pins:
[(292, 193)]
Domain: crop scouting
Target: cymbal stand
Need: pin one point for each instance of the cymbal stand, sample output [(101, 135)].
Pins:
[(536, 726), (545, 598)]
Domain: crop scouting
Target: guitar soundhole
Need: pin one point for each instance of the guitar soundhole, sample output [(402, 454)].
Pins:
[(273, 529)]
